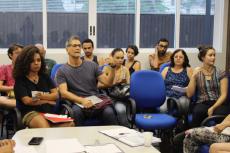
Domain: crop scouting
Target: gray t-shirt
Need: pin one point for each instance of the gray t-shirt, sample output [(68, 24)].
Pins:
[(81, 80)]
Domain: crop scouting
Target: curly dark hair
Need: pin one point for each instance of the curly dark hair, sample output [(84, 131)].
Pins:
[(186, 60), (203, 49), (134, 48), (23, 61)]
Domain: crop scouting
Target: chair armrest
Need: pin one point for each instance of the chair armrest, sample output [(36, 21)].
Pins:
[(215, 119), (67, 102), (18, 122), (131, 110), (175, 105), (67, 108)]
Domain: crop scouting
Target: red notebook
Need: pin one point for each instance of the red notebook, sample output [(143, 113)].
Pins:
[(55, 118)]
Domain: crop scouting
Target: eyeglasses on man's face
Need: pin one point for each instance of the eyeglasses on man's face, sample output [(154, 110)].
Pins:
[(74, 45), (163, 46)]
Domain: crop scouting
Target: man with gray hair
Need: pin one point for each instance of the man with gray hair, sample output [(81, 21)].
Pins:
[(49, 62), (78, 79)]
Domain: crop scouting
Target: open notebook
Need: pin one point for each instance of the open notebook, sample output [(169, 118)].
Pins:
[(128, 136), (93, 99)]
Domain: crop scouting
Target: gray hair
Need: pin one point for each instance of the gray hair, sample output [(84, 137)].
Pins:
[(71, 39)]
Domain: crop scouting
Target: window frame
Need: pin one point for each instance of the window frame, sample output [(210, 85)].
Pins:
[(219, 36)]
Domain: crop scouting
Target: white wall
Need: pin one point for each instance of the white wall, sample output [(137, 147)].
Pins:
[(61, 57)]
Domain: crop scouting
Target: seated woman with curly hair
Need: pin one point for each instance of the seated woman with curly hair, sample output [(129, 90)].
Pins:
[(35, 92)]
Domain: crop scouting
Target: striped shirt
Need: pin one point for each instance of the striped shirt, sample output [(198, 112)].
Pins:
[(209, 89)]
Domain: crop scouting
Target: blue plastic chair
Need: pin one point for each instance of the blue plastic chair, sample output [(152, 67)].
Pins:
[(54, 70), (164, 66), (147, 89)]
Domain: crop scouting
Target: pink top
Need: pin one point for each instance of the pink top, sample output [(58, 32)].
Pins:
[(6, 75)]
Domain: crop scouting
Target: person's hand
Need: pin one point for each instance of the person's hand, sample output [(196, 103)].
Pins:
[(7, 146), (120, 81), (87, 103), (111, 62), (219, 128), (188, 132), (195, 71), (210, 111)]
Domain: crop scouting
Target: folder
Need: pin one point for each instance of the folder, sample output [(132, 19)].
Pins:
[(55, 118)]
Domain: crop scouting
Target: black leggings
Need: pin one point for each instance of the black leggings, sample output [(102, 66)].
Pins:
[(200, 112)]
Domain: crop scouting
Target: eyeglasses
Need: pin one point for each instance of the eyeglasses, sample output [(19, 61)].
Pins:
[(162, 46), (74, 45)]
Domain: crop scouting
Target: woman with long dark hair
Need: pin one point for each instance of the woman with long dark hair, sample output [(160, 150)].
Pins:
[(35, 92)]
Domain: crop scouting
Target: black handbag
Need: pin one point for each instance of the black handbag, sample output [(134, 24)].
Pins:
[(119, 91)]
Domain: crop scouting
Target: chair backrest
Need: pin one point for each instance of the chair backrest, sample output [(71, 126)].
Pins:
[(147, 88), (54, 70), (163, 66), (102, 67)]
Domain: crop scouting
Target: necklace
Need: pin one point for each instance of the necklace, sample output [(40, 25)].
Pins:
[(34, 79), (207, 73)]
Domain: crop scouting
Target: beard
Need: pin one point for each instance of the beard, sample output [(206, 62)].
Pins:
[(88, 54), (162, 53)]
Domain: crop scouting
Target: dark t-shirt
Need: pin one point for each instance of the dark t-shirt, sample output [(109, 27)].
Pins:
[(94, 59), (23, 87)]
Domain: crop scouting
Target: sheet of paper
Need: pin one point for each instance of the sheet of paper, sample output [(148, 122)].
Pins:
[(71, 145), (179, 89), (119, 132), (55, 115), (105, 148), (137, 139), (128, 136), (94, 99), (24, 149)]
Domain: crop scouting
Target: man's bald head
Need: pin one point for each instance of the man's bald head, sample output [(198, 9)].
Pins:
[(41, 49)]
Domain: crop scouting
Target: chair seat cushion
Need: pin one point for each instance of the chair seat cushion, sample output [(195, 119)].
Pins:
[(154, 121), (204, 149)]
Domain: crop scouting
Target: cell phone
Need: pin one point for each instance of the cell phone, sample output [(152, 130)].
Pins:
[(35, 141)]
